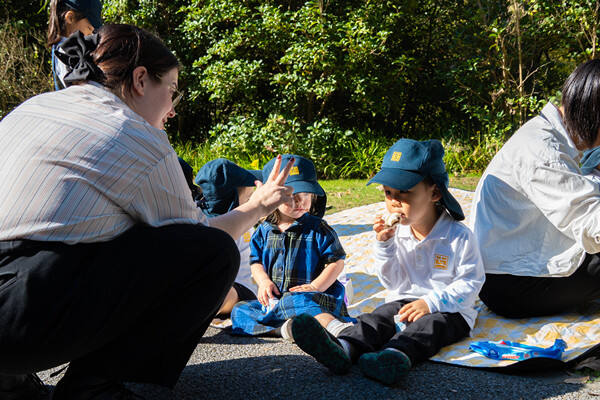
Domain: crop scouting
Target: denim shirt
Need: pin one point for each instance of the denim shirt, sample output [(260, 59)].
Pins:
[(298, 255)]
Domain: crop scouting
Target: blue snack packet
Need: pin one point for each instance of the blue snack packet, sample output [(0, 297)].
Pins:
[(507, 350)]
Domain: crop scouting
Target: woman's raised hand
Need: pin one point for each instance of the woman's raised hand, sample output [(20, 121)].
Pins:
[(273, 193)]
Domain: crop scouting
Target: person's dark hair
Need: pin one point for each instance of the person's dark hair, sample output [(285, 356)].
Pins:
[(56, 22), (581, 104), (122, 48)]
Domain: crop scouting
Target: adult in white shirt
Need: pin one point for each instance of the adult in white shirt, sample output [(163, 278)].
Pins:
[(536, 217), (105, 260)]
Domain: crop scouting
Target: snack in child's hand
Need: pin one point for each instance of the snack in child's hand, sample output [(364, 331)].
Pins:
[(392, 219)]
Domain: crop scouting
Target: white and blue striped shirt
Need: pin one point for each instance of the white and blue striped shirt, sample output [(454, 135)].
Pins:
[(78, 165)]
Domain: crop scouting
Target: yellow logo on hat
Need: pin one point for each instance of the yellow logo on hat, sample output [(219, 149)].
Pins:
[(295, 171), (396, 156), (440, 261)]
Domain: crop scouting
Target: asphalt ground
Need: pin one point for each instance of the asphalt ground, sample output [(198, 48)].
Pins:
[(234, 367)]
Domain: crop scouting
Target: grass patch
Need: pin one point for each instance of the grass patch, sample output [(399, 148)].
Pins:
[(348, 193), (468, 182)]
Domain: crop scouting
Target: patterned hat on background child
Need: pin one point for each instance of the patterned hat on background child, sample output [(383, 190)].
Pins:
[(409, 161)]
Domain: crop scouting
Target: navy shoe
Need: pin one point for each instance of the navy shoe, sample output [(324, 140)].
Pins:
[(311, 337), (26, 387), (387, 366)]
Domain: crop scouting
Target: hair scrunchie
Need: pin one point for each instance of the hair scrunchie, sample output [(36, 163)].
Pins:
[(75, 53)]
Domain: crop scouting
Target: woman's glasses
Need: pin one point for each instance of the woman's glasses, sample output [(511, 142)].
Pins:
[(177, 96)]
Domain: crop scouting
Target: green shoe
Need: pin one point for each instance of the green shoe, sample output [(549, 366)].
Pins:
[(387, 366), (311, 337)]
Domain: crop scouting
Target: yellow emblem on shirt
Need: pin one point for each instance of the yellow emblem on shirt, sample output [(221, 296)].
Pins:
[(247, 237), (295, 171), (396, 156), (440, 261)]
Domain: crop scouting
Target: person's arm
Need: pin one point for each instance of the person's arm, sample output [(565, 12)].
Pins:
[(265, 199), (266, 287), (325, 279), (466, 282), (386, 265), (569, 200)]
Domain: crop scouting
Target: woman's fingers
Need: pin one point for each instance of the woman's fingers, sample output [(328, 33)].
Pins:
[(283, 175), (275, 169)]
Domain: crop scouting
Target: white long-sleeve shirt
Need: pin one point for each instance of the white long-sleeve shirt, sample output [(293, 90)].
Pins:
[(244, 275), (534, 214), (444, 269), (78, 165)]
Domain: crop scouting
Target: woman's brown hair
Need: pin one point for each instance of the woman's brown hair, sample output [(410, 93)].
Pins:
[(122, 48)]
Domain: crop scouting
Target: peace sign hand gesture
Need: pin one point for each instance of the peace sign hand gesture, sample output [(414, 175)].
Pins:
[(270, 195)]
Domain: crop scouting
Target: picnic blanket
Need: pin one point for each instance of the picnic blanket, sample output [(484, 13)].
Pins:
[(580, 331)]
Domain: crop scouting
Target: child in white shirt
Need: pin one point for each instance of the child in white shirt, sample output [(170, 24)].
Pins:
[(430, 264), (225, 186)]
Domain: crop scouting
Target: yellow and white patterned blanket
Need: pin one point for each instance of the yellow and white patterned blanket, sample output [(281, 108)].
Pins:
[(354, 226)]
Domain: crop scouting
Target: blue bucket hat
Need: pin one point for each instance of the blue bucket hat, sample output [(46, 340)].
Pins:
[(91, 9), (409, 161), (590, 160), (303, 176), (219, 180)]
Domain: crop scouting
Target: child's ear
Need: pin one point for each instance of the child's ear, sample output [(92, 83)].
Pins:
[(436, 194), (70, 18)]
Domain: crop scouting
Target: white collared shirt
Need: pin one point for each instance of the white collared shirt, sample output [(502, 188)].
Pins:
[(78, 165), (444, 269), (244, 275), (534, 214)]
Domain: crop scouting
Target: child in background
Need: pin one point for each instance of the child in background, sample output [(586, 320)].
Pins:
[(225, 186), (188, 173), (67, 17), (429, 263), (295, 260)]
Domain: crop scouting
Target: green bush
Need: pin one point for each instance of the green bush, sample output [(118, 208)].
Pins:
[(339, 81), (24, 72)]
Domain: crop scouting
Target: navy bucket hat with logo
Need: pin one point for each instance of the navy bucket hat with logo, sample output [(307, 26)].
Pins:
[(219, 180), (91, 9), (409, 161), (303, 176)]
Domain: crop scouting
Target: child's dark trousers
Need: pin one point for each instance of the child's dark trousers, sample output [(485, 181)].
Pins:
[(420, 339)]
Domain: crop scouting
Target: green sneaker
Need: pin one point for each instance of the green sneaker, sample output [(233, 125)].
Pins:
[(311, 337), (387, 366)]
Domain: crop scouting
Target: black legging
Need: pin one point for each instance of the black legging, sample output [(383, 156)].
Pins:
[(526, 296), (131, 309)]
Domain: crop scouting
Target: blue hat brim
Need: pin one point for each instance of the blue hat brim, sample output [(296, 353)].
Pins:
[(396, 178), (306, 187)]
